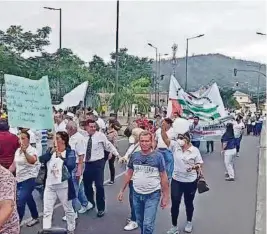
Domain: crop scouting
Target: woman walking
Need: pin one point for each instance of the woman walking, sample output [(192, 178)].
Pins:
[(187, 161), (112, 136), (58, 185), (229, 151), (26, 166)]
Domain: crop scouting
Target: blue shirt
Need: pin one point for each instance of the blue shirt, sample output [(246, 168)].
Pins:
[(230, 142), (146, 171)]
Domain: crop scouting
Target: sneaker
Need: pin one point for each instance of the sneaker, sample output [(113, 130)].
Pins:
[(100, 213), (237, 154), (70, 232), (86, 208), (32, 222), (188, 227), (173, 230), (131, 226), (110, 183), (65, 218)]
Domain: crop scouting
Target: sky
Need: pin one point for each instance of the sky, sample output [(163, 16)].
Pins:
[(88, 27)]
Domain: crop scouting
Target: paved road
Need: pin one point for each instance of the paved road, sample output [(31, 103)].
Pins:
[(228, 208)]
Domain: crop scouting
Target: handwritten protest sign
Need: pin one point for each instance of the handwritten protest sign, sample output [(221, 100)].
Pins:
[(28, 102)]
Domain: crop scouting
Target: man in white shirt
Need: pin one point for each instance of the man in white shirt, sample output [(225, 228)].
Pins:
[(78, 144), (239, 127), (60, 125), (162, 147), (97, 142)]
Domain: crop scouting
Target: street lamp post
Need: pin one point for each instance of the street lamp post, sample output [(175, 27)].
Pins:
[(186, 56), (156, 76), (117, 59), (160, 76), (60, 44), (60, 23), (258, 86)]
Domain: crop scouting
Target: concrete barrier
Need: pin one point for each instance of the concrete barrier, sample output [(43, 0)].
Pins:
[(260, 221)]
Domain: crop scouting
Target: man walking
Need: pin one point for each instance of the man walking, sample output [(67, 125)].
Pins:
[(95, 165), (78, 144), (150, 182)]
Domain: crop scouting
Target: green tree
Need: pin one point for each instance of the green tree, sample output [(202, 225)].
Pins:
[(228, 99), (19, 41), (133, 94)]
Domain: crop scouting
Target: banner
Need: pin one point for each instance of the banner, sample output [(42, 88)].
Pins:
[(213, 131), (28, 102), (188, 105), (205, 103)]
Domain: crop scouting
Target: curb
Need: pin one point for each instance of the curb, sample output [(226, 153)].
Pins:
[(260, 220)]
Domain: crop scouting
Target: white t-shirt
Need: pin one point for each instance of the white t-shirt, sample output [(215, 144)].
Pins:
[(78, 144), (25, 170), (160, 143), (54, 169), (32, 136), (184, 160), (238, 129), (60, 127), (101, 124)]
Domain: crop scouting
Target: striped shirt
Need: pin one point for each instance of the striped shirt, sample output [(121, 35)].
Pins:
[(44, 137)]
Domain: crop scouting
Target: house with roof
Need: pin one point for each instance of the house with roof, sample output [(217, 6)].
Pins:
[(242, 98)]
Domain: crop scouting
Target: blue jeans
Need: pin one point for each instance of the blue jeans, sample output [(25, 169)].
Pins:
[(146, 206), (237, 143), (131, 191), (80, 199), (24, 196), (169, 161), (196, 144)]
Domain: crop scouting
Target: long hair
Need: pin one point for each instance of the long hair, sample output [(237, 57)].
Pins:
[(229, 133)]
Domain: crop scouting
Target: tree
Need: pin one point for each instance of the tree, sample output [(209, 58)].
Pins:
[(18, 41), (133, 94), (131, 67), (228, 99)]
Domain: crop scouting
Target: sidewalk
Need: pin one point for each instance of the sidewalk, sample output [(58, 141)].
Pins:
[(260, 222)]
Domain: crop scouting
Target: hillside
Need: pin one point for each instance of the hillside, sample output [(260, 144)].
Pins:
[(202, 69)]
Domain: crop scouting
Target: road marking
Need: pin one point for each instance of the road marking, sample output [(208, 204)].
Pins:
[(59, 204)]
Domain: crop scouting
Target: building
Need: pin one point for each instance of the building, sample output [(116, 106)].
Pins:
[(242, 98)]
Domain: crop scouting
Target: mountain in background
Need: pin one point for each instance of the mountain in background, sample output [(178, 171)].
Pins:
[(202, 69)]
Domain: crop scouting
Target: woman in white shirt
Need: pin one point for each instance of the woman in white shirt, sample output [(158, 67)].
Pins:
[(187, 160), (58, 185), (26, 166)]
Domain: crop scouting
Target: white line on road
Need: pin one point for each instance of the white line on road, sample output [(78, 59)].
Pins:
[(59, 204)]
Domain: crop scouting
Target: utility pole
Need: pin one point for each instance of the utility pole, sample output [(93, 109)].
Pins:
[(174, 51), (117, 59)]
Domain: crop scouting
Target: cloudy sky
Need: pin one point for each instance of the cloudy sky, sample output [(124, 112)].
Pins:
[(89, 26)]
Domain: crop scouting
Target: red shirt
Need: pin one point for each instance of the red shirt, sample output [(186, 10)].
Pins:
[(9, 143)]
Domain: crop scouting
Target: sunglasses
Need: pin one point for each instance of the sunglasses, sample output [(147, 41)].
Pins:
[(181, 137)]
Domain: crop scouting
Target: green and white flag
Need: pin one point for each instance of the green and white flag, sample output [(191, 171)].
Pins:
[(188, 105)]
